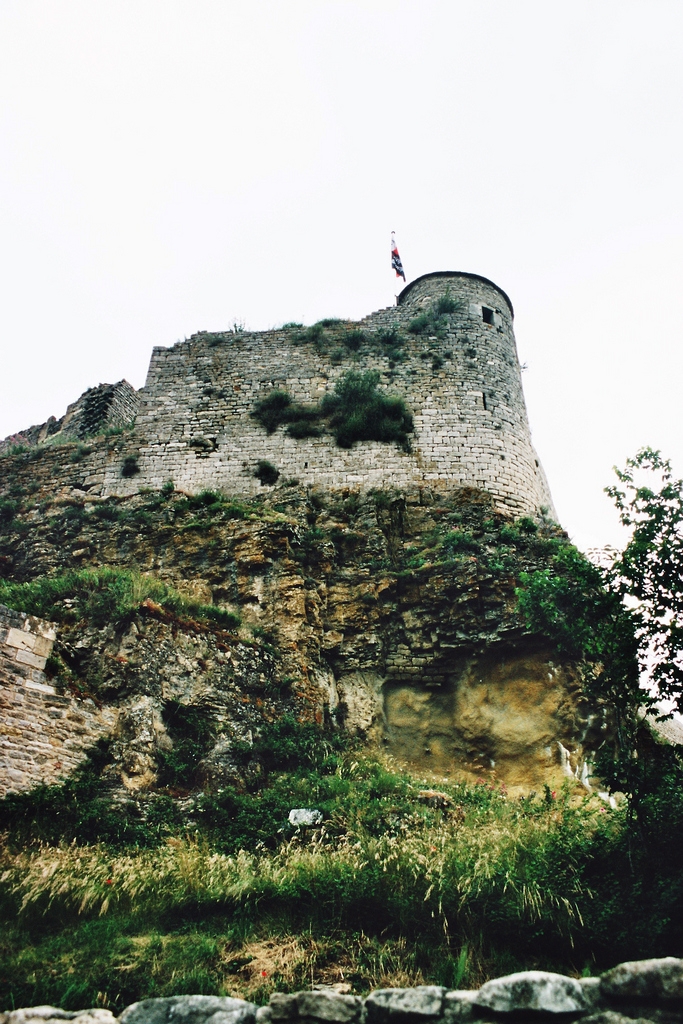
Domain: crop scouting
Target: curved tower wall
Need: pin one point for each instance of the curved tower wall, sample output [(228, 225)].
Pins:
[(194, 426)]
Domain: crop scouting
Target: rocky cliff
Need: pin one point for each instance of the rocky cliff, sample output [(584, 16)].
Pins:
[(391, 614)]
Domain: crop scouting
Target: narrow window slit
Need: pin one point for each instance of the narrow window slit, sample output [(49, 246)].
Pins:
[(487, 314)]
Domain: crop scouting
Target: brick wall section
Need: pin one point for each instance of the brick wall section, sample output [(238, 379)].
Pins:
[(43, 734)]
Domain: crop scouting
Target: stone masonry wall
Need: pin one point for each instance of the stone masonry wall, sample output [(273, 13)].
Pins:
[(637, 992), (96, 410), (195, 428), (43, 734), (194, 425)]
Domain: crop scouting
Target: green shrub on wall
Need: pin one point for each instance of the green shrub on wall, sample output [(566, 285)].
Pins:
[(358, 411), (266, 472), (273, 410)]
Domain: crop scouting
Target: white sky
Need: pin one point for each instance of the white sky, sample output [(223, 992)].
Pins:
[(167, 167)]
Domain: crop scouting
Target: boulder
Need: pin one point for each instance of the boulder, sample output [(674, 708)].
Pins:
[(190, 1010), (532, 990), (646, 980), (404, 1004), (327, 1005), (305, 817)]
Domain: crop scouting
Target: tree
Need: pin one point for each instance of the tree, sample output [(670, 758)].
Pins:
[(650, 569), (623, 623)]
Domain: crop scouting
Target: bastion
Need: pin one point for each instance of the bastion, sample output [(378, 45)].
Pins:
[(193, 422)]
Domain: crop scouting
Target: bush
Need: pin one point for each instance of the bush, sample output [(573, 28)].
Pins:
[(266, 472), (434, 319), (81, 810), (420, 325), (359, 412), (303, 428), (130, 466), (272, 410), (460, 542), (8, 509), (192, 730), (277, 408), (389, 337), (447, 304), (354, 339)]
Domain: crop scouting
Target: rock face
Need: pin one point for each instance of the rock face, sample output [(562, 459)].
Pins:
[(638, 992), (392, 614)]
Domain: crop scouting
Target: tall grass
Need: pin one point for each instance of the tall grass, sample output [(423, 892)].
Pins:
[(515, 867)]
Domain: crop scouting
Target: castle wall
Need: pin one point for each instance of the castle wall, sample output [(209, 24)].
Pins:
[(43, 734), (194, 426)]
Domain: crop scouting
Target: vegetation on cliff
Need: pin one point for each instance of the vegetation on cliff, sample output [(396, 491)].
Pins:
[(222, 617)]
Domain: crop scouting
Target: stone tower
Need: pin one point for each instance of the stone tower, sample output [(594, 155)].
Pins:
[(455, 367), (463, 387)]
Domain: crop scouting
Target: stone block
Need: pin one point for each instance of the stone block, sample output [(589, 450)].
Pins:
[(53, 1014), (658, 980), (404, 1004), (26, 657), (329, 1006), (592, 992), (190, 1010), (458, 1005), (284, 1006), (20, 639), (532, 990)]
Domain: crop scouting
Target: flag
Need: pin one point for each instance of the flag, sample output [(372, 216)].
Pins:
[(396, 259)]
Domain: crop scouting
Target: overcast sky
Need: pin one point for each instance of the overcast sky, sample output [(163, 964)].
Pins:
[(168, 167)]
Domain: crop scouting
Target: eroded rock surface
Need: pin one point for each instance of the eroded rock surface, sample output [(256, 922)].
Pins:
[(393, 614)]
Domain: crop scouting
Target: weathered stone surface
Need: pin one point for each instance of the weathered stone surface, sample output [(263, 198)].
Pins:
[(284, 1006), (190, 1010), (405, 1004), (194, 424), (612, 1017), (329, 1006), (532, 990), (592, 992), (305, 817), (53, 1015), (649, 980), (459, 1005), (43, 735)]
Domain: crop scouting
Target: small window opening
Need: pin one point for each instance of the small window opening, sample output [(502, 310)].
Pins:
[(487, 314), (483, 398), (305, 465)]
